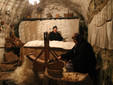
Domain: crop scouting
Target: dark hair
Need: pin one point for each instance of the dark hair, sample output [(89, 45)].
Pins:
[(78, 38), (55, 27)]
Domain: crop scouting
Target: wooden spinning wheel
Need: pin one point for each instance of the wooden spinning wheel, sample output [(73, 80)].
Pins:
[(46, 51)]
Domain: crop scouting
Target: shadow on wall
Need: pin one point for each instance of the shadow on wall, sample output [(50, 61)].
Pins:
[(83, 30)]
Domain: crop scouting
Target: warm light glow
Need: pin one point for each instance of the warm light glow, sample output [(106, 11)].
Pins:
[(33, 1)]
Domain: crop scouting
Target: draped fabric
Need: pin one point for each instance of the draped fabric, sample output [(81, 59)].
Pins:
[(100, 30)]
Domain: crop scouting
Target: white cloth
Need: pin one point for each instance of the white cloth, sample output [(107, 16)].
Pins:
[(52, 44)]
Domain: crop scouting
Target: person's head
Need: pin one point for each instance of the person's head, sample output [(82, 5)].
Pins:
[(77, 38), (55, 29)]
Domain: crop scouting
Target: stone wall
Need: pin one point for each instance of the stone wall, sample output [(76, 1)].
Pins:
[(12, 11), (95, 7), (54, 9), (105, 60), (80, 7)]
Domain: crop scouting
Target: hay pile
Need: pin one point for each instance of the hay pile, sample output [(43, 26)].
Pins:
[(24, 74), (73, 76)]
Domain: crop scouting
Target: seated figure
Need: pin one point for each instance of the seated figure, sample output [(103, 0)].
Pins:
[(81, 57), (55, 35)]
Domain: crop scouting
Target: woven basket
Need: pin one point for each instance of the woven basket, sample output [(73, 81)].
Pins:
[(55, 69), (57, 65), (55, 73), (68, 14)]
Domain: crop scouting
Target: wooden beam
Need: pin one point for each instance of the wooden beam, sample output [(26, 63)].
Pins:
[(46, 47)]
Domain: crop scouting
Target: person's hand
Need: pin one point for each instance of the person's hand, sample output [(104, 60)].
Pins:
[(59, 57), (69, 61), (64, 39)]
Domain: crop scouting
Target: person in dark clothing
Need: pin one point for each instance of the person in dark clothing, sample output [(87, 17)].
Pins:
[(81, 57), (54, 35)]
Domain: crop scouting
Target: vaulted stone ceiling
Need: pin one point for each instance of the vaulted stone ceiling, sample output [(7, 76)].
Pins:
[(78, 6), (12, 11)]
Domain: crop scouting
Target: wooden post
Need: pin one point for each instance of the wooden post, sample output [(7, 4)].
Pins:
[(46, 48)]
